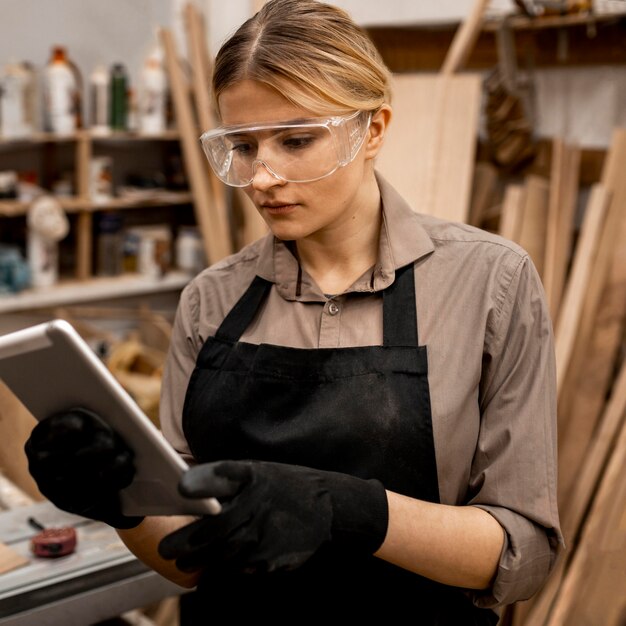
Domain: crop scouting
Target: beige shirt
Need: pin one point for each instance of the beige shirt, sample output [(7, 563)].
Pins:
[(482, 315)]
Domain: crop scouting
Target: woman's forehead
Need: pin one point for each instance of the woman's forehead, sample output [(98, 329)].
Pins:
[(251, 102)]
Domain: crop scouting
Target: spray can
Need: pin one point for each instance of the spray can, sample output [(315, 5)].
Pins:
[(100, 96), (119, 97)]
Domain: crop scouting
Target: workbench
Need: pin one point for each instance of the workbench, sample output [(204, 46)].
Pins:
[(100, 580)]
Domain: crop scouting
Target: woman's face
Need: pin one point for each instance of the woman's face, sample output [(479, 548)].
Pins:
[(295, 211)]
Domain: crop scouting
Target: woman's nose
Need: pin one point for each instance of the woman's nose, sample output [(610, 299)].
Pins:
[(263, 177)]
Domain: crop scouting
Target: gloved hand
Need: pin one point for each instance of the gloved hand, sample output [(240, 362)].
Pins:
[(275, 516), (80, 464)]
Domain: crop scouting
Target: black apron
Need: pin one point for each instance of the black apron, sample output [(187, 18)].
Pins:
[(363, 411)]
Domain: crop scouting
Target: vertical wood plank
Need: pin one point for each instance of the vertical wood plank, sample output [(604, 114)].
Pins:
[(532, 235), (511, 214), (84, 232), (430, 146), (215, 233)]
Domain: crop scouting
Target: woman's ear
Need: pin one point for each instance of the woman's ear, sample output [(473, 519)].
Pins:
[(376, 135)]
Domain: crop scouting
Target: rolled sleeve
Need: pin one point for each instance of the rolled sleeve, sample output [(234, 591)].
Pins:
[(513, 474), (179, 365)]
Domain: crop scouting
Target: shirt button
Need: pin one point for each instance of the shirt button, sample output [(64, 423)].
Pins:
[(333, 308)]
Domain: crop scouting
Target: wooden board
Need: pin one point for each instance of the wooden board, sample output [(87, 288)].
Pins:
[(16, 422), (243, 220), (532, 234), (511, 214), (483, 192), (593, 587), (568, 322), (9, 559), (215, 231), (430, 146), (584, 384), (564, 181), (464, 39)]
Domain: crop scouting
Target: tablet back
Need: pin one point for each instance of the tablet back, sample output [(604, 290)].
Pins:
[(50, 368)]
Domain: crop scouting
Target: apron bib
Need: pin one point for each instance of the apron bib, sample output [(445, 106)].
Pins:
[(363, 411)]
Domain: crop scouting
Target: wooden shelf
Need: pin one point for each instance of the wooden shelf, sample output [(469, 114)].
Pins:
[(105, 288), (555, 41), (113, 136), (14, 208)]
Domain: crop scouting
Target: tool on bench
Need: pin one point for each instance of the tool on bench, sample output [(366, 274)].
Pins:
[(52, 542)]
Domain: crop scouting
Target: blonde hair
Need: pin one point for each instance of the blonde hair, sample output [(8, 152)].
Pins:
[(311, 52)]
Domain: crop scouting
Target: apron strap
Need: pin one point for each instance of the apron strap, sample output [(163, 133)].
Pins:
[(399, 310), (241, 315)]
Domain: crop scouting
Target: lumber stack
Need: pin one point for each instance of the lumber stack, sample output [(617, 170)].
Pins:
[(577, 238)]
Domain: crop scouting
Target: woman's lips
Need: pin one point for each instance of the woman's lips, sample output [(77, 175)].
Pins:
[(279, 209)]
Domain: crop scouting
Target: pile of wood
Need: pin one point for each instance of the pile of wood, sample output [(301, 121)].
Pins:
[(573, 225), (577, 239)]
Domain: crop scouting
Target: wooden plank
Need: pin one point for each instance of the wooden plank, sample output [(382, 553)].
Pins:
[(10, 559), (464, 39), (564, 178), (511, 215), (572, 515), (215, 233), (429, 151), (252, 224), (587, 376), (16, 423), (84, 231), (584, 383), (532, 235), (592, 591), (483, 192), (201, 76), (568, 322)]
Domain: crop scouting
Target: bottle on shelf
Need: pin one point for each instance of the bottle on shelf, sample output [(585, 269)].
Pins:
[(153, 95), (119, 97), (100, 97), (61, 94), (16, 106)]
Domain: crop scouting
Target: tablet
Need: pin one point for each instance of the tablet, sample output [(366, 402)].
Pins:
[(50, 368)]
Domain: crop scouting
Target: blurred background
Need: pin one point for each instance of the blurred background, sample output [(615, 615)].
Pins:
[(509, 115)]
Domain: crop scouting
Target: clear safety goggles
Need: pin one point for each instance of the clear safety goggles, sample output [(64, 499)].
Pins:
[(298, 151)]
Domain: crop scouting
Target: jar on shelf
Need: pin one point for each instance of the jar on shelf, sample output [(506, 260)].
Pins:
[(110, 244), (189, 250)]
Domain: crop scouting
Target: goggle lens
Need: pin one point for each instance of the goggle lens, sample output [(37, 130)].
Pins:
[(294, 152)]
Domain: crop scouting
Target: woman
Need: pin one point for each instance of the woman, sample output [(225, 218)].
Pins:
[(369, 391)]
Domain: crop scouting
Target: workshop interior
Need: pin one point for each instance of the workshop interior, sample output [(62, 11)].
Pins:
[(108, 209)]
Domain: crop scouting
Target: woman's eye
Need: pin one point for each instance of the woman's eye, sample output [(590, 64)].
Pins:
[(298, 142), (242, 148)]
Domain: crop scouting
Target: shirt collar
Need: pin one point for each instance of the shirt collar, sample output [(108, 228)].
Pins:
[(403, 240)]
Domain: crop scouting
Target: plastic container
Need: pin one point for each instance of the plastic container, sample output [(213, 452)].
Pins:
[(60, 94), (189, 250), (100, 100), (153, 96), (15, 101)]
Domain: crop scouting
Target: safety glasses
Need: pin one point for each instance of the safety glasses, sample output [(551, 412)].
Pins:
[(298, 151)]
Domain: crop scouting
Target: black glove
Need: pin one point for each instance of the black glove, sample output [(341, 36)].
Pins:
[(275, 516), (80, 464)]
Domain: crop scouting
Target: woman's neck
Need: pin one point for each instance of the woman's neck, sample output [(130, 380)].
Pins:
[(336, 257)]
